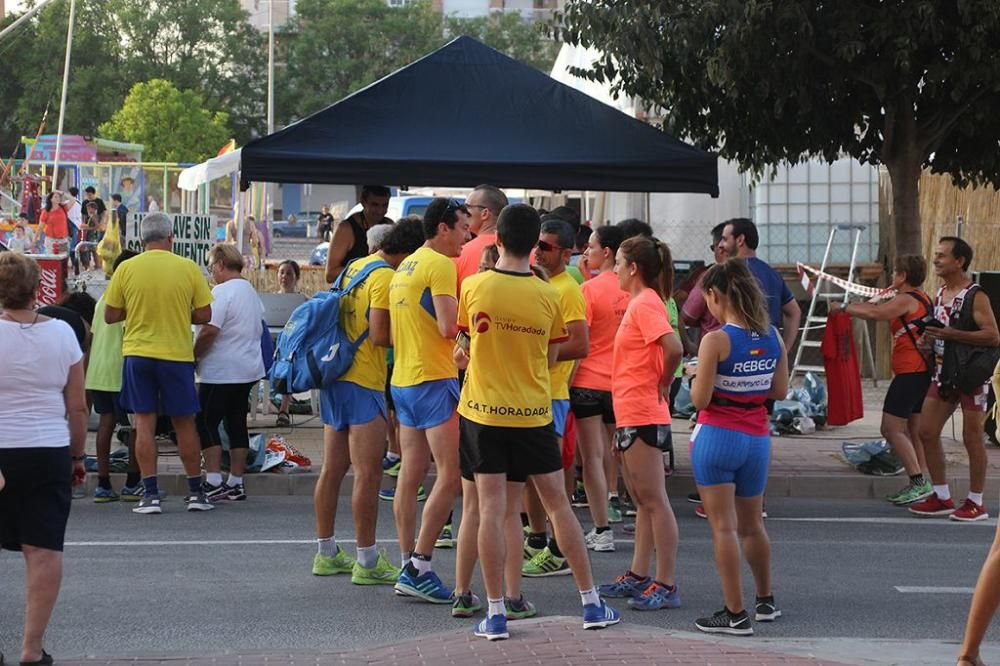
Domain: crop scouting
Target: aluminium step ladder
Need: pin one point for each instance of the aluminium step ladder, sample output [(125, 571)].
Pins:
[(825, 290)]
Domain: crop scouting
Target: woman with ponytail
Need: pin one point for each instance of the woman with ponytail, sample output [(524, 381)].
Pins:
[(646, 353), (740, 366)]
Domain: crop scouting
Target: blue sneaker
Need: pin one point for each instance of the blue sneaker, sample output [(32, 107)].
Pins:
[(655, 597), (389, 494), (599, 617), (493, 628), (104, 495), (425, 586), (625, 586)]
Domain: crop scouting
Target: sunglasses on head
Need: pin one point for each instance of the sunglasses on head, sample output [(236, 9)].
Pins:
[(454, 205), (548, 247)]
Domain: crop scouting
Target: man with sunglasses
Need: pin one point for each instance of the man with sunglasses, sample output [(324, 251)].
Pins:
[(423, 315), (484, 205)]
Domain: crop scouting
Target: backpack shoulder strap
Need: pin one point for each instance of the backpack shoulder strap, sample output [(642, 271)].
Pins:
[(363, 274)]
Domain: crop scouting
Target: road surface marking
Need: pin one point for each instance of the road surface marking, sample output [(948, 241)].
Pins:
[(901, 520), (917, 589)]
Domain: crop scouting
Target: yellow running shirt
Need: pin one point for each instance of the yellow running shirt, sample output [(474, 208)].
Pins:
[(158, 290), (512, 319), (369, 368), (574, 308), (421, 353)]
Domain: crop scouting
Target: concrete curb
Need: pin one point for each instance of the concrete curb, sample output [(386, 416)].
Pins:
[(799, 485)]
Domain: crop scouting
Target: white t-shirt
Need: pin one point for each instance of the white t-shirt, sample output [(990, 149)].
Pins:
[(234, 357), (75, 214), (34, 364)]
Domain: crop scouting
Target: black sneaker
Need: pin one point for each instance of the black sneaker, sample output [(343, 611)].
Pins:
[(236, 493), (765, 610), (198, 502), (694, 498), (148, 505), (215, 493), (725, 622)]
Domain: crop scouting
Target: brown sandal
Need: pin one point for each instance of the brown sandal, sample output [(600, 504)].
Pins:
[(283, 420)]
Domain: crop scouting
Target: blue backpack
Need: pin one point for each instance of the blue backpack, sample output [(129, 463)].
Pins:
[(313, 350)]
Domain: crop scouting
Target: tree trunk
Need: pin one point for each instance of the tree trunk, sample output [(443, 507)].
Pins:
[(905, 236)]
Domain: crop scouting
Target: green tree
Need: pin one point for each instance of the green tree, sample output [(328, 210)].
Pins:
[(910, 84), (172, 124), (509, 33), (335, 47), (202, 45)]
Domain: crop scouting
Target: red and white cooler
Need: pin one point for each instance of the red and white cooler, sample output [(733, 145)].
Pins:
[(53, 279)]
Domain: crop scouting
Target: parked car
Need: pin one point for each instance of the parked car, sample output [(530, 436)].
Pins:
[(291, 228), (318, 255)]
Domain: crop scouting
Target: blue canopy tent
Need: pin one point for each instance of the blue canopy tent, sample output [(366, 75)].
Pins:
[(467, 114)]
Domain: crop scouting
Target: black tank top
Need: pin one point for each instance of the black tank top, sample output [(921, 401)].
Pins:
[(360, 247)]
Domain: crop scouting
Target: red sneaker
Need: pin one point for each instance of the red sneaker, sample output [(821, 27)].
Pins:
[(700, 511), (932, 506), (970, 512)]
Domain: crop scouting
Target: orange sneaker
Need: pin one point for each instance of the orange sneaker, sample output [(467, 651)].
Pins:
[(970, 512), (933, 506)]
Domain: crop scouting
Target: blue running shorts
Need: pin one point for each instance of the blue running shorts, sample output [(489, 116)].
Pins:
[(151, 386), (560, 410), (346, 404), (720, 455), (426, 405)]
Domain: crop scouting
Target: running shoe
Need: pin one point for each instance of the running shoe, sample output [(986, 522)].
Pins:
[(104, 495), (628, 507), (933, 506), (656, 597), (530, 551), (765, 610), (391, 467), (148, 505), (445, 539), (519, 609), (700, 511), (389, 494), (614, 510), (626, 586), (199, 502), (493, 628), (131, 493), (426, 586), (970, 512), (324, 565), (599, 616), (545, 564), (724, 622), (603, 542), (466, 605), (694, 498), (913, 492), (215, 493), (383, 573), (579, 499), (236, 493)]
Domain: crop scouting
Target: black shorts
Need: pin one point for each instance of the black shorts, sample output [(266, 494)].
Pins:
[(389, 404), (657, 436), (34, 505), (905, 396), (516, 452), (109, 402), (587, 402)]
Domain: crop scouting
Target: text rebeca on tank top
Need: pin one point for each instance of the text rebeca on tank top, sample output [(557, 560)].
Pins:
[(748, 382)]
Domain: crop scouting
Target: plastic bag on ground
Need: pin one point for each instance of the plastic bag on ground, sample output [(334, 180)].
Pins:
[(874, 458)]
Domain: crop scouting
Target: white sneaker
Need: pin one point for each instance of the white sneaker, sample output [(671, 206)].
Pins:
[(198, 503), (600, 543)]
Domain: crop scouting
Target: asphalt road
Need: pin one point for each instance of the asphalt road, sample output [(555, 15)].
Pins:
[(238, 579)]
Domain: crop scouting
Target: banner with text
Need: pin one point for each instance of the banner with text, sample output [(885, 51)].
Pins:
[(194, 235)]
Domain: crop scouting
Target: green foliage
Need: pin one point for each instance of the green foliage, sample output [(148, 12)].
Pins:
[(172, 124), (335, 47), (907, 84), (202, 45)]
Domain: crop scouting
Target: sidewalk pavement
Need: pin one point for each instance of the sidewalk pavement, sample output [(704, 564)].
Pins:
[(560, 640), (804, 466)]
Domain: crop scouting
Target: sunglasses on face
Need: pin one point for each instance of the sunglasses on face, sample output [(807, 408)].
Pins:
[(548, 247)]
